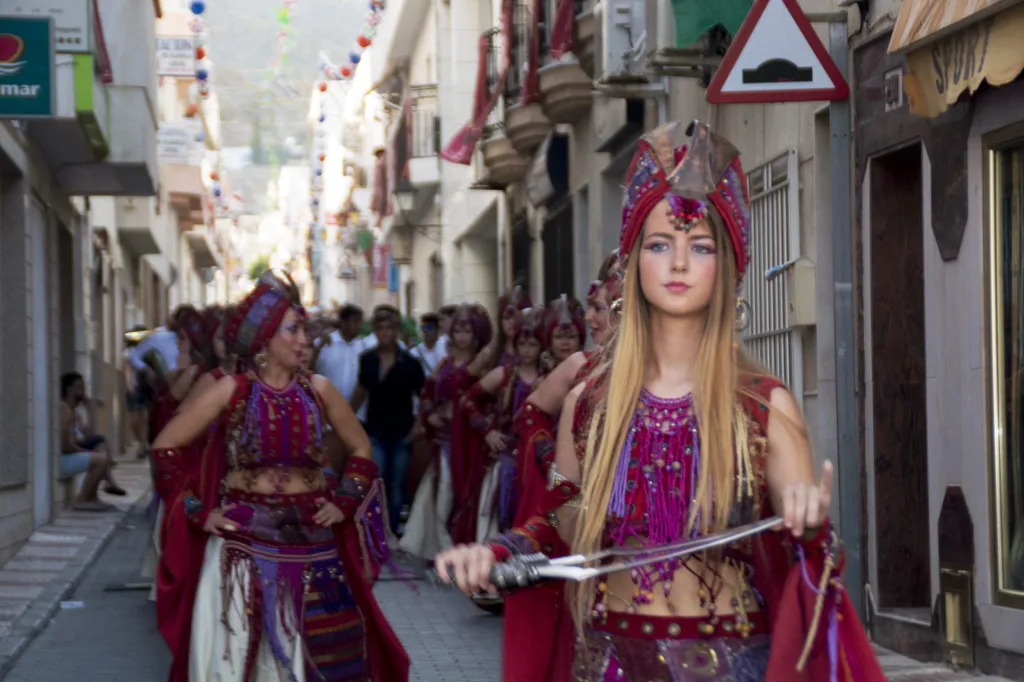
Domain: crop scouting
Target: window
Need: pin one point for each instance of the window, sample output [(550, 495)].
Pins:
[(774, 241), (1006, 327)]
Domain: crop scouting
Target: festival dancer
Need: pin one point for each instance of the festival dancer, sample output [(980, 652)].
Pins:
[(275, 594), (537, 620), (427, 530), (681, 437), (564, 330), (502, 353), (489, 407)]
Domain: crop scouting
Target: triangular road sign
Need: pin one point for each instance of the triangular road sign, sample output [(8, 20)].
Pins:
[(776, 57)]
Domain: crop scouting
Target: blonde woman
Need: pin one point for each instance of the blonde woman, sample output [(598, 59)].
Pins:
[(680, 436)]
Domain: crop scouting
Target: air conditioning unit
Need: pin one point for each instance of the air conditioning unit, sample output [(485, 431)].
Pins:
[(698, 60), (622, 34)]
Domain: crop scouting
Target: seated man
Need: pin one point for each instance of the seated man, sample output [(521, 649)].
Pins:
[(81, 450)]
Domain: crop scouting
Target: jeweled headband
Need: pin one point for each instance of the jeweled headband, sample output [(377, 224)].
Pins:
[(705, 173), (258, 316), (531, 323), (475, 316), (517, 299), (564, 312)]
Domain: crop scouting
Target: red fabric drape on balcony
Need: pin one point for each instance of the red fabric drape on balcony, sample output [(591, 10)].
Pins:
[(399, 150), (562, 30), (530, 92), (460, 148)]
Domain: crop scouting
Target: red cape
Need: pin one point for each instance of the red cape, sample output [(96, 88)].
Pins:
[(469, 459), (537, 620), (182, 560)]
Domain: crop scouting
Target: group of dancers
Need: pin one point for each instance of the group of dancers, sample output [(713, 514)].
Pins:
[(663, 432)]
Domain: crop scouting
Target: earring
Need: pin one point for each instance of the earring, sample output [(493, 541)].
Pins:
[(616, 306), (260, 359), (743, 314)]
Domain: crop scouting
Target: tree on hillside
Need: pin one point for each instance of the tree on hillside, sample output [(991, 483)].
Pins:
[(259, 266)]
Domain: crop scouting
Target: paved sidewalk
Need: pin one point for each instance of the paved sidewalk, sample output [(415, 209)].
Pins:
[(46, 570)]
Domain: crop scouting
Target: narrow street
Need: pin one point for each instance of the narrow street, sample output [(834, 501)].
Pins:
[(108, 633), (112, 636)]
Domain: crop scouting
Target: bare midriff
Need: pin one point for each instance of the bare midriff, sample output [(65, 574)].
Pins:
[(683, 600), (276, 480)]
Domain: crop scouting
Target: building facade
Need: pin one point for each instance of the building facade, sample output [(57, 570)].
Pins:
[(89, 240)]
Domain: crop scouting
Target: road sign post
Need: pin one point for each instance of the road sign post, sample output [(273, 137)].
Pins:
[(777, 57)]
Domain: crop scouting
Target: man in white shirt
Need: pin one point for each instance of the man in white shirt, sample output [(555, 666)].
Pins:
[(445, 314), (430, 352), (339, 356)]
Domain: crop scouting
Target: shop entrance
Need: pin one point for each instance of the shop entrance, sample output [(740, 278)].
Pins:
[(896, 379)]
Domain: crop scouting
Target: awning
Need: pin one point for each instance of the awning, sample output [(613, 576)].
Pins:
[(939, 72), (924, 21)]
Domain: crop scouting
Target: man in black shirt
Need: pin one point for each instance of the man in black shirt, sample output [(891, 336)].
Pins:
[(389, 378)]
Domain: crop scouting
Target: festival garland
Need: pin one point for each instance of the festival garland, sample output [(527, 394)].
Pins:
[(374, 15), (202, 89)]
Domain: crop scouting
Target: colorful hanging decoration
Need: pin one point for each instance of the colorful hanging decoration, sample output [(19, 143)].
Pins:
[(368, 31), (201, 92)]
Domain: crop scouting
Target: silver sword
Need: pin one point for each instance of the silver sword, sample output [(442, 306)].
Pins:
[(525, 570)]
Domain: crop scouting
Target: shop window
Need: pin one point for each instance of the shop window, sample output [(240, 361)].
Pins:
[(1006, 325)]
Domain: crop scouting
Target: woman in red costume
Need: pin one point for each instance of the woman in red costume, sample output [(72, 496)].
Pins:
[(564, 330), (537, 620), (502, 353), (272, 555), (489, 407), (427, 529), (681, 437), (195, 356)]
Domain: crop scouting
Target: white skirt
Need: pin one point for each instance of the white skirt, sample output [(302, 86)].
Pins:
[(487, 526), (426, 529), (151, 559), (216, 653)]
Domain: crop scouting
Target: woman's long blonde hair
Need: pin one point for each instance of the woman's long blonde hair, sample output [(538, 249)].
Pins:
[(724, 429)]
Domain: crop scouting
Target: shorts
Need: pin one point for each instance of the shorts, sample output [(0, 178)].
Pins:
[(91, 442), (74, 464)]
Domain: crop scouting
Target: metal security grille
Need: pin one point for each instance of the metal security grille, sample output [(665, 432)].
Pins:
[(774, 240)]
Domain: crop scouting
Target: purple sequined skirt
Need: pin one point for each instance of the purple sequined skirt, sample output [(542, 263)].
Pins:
[(604, 657)]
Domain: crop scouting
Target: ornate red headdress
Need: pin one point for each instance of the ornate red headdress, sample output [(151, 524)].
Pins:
[(531, 323), (707, 173), (258, 316), (609, 278), (476, 318), (517, 299), (564, 313)]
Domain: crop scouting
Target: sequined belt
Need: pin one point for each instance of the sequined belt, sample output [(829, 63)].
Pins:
[(670, 627), (307, 499)]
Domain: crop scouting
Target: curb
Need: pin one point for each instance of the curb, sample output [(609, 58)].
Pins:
[(38, 615)]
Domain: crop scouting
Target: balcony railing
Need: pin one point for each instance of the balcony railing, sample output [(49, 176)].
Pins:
[(426, 126), (495, 120), (520, 62)]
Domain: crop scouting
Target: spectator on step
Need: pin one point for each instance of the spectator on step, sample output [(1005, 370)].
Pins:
[(82, 450)]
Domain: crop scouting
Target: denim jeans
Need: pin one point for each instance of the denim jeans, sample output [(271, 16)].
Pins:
[(393, 459)]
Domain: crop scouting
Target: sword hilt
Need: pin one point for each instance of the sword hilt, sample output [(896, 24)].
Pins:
[(517, 572)]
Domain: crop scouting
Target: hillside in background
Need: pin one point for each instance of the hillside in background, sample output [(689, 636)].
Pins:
[(243, 43)]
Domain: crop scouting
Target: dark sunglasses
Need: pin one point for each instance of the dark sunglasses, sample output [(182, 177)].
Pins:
[(429, 327)]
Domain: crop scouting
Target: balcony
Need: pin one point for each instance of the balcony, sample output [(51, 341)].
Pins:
[(203, 243), (102, 140), (505, 164), (566, 84), (397, 36), (526, 126), (424, 159), (137, 222), (586, 27)]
